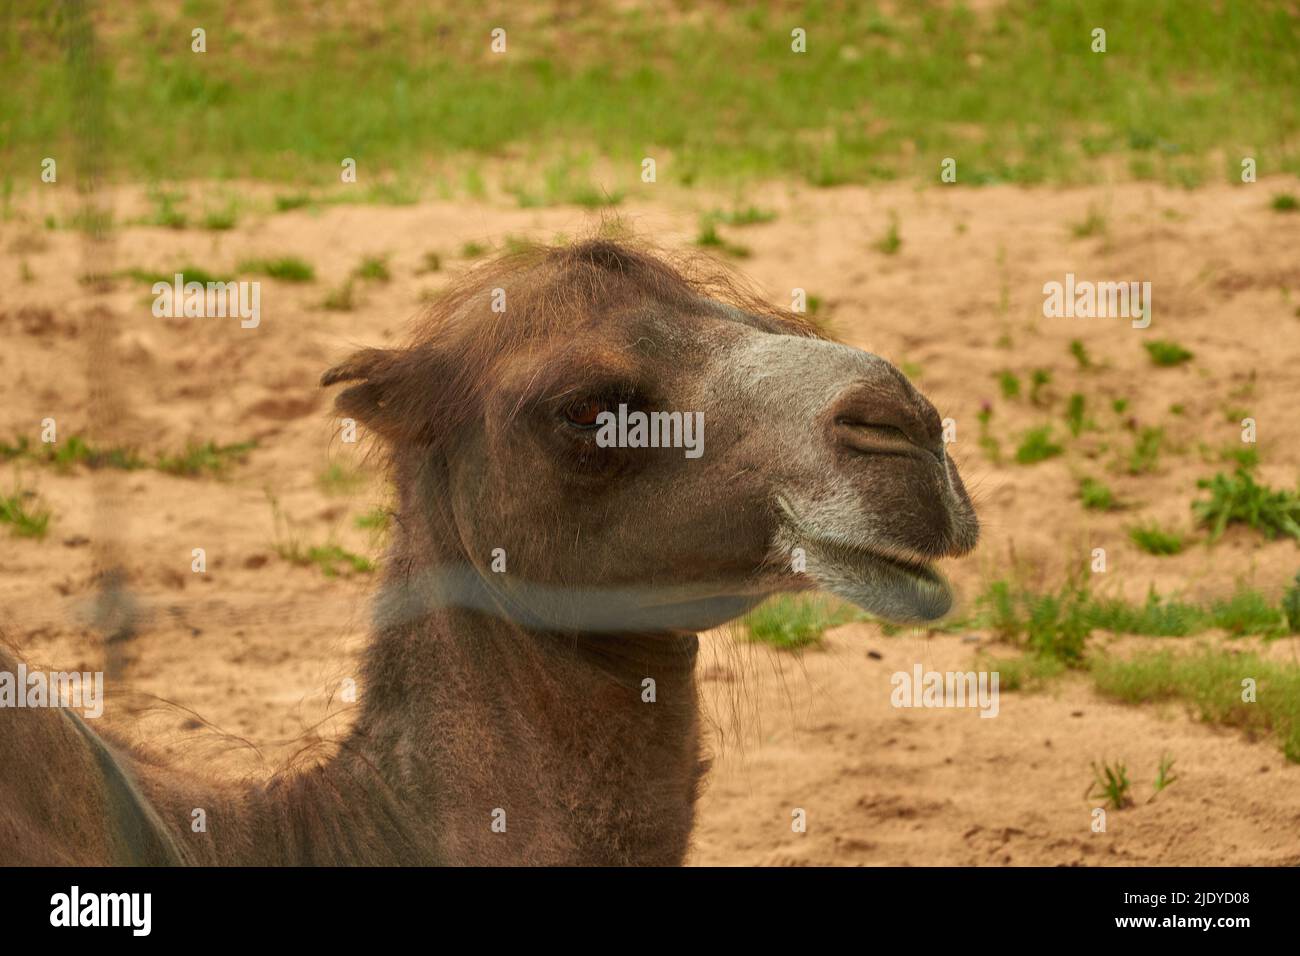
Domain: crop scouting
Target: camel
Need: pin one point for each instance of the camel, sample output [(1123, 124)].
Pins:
[(527, 694)]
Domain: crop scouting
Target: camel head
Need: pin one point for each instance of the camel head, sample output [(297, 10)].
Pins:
[(536, 479)]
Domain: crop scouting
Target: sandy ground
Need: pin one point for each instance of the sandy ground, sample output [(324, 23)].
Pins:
[(256, 645)]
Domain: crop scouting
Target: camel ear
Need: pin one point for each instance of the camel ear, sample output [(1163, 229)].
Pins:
[(376, 400)]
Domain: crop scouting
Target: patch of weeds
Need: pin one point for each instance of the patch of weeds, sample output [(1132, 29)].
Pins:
[(373, 268), (292, 201), (340, 480), (1164, 772), (342, 299), (221, 218), (1291, 607), (1094, 224), (1210, 682), (284, 268), (710, 238), (1145, 453), (1119, 406), (891, 242), (376, 519), (429, 262), (207, 458), (1285, 202), (473, 250), (1096, 496), (1155, 540), (1075, 414), (1166, 354), (166, 211), (1039, 379), (1037, 445), (1080, 353), (1027, 672), (1238, 499), (792, 621), (188, 274), (992, 447), (25, 518), (1110, 781), (1009, 383), (748, 216)]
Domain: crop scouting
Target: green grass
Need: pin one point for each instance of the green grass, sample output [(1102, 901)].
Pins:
[(1080, 353), (1094, 224), (1153, 539), (1145, 454), (340, 480), (1291, 606), (1015, 92), (473, 250), (1111, 781), (284, 268), (24, 518), (1057, 623), (204, 459), (1166, 354), (1239, 499), (743, 216), (1037, 445), (221, 218), (1285, 202), (1096, 496), (1075, 414), (290, 201), (1210, 683), (330, 558), (891, 241), (709, 238), (1009, 384), (791, 621), (188, 273), (341, 299), (376, 519), (373, 268)]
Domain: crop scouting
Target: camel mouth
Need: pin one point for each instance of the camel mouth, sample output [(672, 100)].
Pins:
[(899, 588)]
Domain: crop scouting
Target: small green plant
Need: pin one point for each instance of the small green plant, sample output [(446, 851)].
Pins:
[(1075, 414), (891, 242), (1166, 354), (165, 210), (1096, 496), (1111, 782), (24, 518), (1155, 540), (1119, 405), (1145, 453), (207, 458), (429, 262), (791, 621), (992, 447), (287, 203), (1009, 383), (1285, 202), (1037, 445), (376, 519), (284, 268), (748, 216), (1080, 353), (710, 238), (342, 299), (1291, 606), (221, 218), (473, 250), (1094, 224), (1238, 499), (373, 268), (1039, 379), (1164, 772), (339, 480)]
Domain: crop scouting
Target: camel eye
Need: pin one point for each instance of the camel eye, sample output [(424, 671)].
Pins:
[(583, 414)]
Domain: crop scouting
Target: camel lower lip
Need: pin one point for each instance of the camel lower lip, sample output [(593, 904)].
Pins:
[(890, 586)]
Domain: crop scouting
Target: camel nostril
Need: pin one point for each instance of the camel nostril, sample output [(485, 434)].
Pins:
[(884, 437), (887, 417)]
